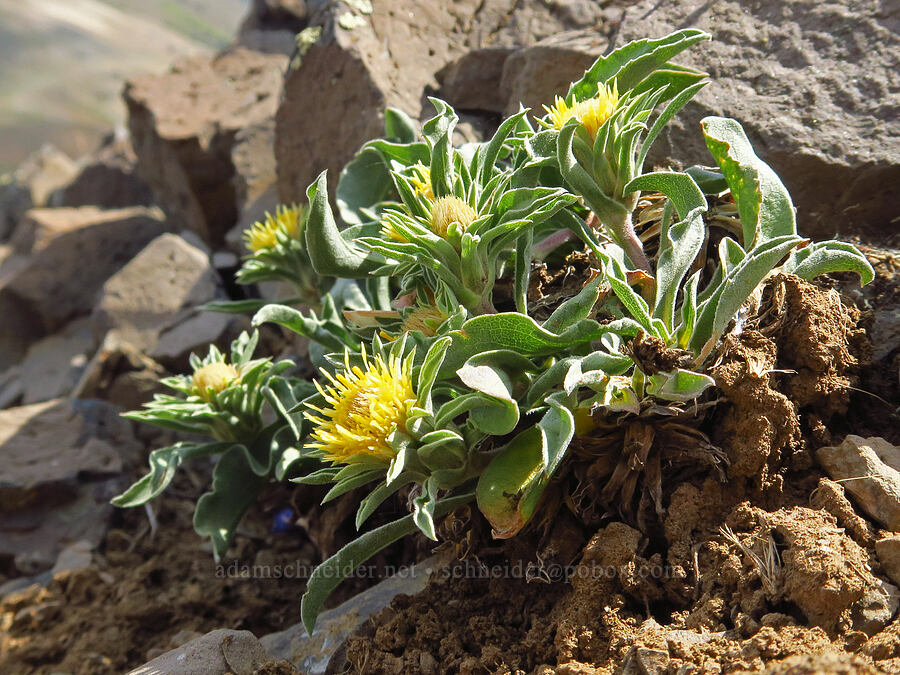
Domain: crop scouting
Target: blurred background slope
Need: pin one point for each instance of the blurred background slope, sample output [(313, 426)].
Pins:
[(63, 63)]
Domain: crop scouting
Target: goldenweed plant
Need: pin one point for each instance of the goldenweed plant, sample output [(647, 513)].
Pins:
[(437, 378)]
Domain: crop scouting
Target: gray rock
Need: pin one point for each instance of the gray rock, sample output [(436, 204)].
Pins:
[(45, 171), (254, 178), (52, 367), (275, 15), (270, 25), (107, 178), (121, 374), (644, 661), (817, 87), (470, 82), (870, 471), (885, 333), (888, 551), (876, 608), (194, 334), (219, 652), (335, 93), (11, 386), (64, 257), (159, 288), (311, 654), (60, 463), (15, 200), (534, 75), (183, 126)]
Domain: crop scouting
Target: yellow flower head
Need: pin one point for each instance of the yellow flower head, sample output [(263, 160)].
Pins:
[(421, 181), (388, 231), (448, 210), (212, 379), (364, 407), (264, 234), (591, 113), (425, 319)]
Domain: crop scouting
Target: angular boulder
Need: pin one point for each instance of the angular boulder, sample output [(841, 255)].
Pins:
[(60, 463), (183, 126), (158, 289), (52, 366), (219, 652), (270, 25), (814, 85), (107, 178), (369, 57), (63, 257)]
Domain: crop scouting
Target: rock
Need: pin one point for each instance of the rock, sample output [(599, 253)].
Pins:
[(534, 75), (120, 373), (52, 366), (44, 171), (885, 333), (470, 82), (888, 551), (644, 661), (60, 463), (11, 386), (311, 654), (815, 86), (107, 179), (869, 469), (219, 652), (159, 288), (15, 200), (254, 179), (74, 557), (876, 608), (194, 334), (53, 284), (183, 126), (364, 62), (270, 25)]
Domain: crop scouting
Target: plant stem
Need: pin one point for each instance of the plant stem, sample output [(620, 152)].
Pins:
[(634, 249), (550, 243)]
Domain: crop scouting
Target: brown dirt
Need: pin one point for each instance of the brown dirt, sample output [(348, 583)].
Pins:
[(145, 595)]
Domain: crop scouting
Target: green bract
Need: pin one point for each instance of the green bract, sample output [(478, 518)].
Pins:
[(440, 374)]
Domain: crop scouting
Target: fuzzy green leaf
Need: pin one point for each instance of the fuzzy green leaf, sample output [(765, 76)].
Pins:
[(678, 187), (823, 257), (163, 464), (763, 202), (679, 246), (521, 333), (679, 385), (329, 335), (329, 252), (633, 62), (236, 484), (510, 487), (736, 287), (364, 182)]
